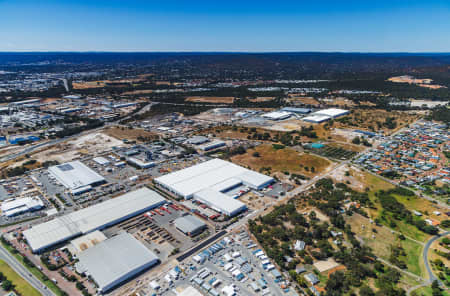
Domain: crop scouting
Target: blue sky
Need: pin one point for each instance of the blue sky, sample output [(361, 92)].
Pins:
[(256, 26)]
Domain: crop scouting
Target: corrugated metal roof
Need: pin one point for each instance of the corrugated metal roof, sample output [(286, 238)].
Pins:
[(188, 223), (220, 202), (116, 259), (92, 218), (75, 174), (188, 181)]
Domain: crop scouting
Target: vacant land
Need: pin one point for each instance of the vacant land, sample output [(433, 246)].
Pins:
[(282, 160), (303, 100), (347, 146), (21, 285), (381, 240), (221, 100), (261, 99), (88, 84), (355, 178), (376, 120), (424, 82), (138, 92), (228, 132), (134, 134)]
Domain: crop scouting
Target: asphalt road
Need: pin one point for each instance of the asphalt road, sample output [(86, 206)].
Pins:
[(425, 257), (24, 273)]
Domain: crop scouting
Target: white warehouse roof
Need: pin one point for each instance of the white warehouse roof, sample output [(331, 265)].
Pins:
[(92, 218), (101, 160), (115, 260), (188, 181), (220, 202), (21, 205), (316, 118), (332, 112), (75, 174), (277, 115)]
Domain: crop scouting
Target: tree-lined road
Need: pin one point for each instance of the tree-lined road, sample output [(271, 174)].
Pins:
[(23, 272)]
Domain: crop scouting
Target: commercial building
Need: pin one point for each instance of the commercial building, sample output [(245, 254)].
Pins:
[(101, 160), (211, 145), (217, 173), (208, 181), (115, 261), (189, 225), (197, 140), (14, 207), (277, 115), (332, 112), (96, 217), (316, 118), (140, 163), (220, 202), (74, 175), (296, 110)]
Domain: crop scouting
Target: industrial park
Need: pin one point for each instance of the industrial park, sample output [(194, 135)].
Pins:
[(184, 176)]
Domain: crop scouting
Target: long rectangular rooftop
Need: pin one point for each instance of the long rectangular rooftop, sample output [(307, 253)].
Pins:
[(92, 218)]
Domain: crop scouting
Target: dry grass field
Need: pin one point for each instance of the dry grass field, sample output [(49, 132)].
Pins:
[(261, 99), (380, 239), (374, 120), (282, 160), (88, 84), (129, 134), (220, 100), (303, 100)]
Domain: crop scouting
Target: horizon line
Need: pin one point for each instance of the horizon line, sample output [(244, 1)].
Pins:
[(223, 51)]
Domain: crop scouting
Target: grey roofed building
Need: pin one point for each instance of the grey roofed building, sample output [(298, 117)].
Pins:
[(116, 260), (189, 225), (297, 110), (311, 277), (75, 174), (197, 140), (92, 218)]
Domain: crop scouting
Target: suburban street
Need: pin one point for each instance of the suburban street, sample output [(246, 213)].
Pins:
[(431, 275)]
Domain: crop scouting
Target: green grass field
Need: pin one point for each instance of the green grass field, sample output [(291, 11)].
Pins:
[(426, 291), (21, 285), (414, 257), (35, 271)]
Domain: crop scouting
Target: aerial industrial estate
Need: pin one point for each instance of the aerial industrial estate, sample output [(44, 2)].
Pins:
[(185, 176)]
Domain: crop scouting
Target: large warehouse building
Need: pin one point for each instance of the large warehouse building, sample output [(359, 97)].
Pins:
[(332, 112), (210, 180), (96, 217), (325, 115), (75, 175), (115, 260)]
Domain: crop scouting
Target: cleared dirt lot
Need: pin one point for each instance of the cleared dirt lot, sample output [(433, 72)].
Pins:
[(87, 144), (221, 100)]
